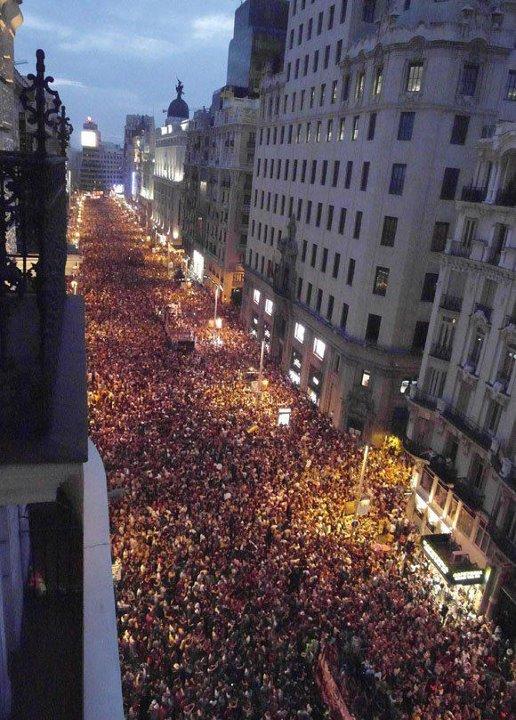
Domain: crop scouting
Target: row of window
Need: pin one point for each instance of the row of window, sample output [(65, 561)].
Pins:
[(304, 133), (330, 18), (448, 191), (374, 321)]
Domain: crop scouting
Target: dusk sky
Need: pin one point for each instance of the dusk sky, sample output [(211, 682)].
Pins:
[(116, 57)]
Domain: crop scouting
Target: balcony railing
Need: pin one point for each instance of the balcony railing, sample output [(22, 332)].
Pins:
[(459, 249), (440, 352), (468, 426), (506, 197), (423, 399), (444, 468), (451, 302), (471, 193), (33, 224)]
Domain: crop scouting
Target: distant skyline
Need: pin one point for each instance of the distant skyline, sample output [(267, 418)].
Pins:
[(117, 58)]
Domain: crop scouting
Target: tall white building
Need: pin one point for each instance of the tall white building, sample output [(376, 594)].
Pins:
[(366, 141), (463, 412), (168, 172)]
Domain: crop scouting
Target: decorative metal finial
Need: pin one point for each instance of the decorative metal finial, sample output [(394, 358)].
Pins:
[(40, 102), (180, 89), (64, 129)]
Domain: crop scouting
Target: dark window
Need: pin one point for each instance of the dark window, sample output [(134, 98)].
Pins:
[(429, 286), (390, 225), (319, 215), (336, 171), (326, 56), (343, 10), (459, 130), (329, 311), (368, 11), (345, 87), (316, 61), (329, 223), (331, 17), (314, 172), (294, 171), (349, 171), (440, 236), (358, 224), (309, 29), (324, 172), (324, 261), (381, 281), (342, 221), (469, 79), (299, 209), (365, 176), (510, 88), (406, 126), (303, 171), (320, 23), (373, 328), (420, 333), (338, 52), (309, 293), (299, 287), (450, 182), (336, 265), (308, 212), (318, 302), (372, 126), (303, 253), (344, 316), (397, 179), (351, 272)]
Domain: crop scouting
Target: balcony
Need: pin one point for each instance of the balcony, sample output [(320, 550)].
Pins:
[(416, 449), (450, 302), (468, 426), (459, 249), (471, 193), (472, 496), (424, 399), (506, 197), (505, 544), (444, 468), (441, 353), (486, 310)]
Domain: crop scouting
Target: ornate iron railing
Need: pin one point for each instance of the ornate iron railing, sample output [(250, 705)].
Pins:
[(471, 193), (33, 224)]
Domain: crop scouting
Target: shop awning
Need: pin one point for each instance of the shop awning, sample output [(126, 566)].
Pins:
[(449, 559)]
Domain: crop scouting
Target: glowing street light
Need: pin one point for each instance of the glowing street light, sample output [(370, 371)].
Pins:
[(74, 285)]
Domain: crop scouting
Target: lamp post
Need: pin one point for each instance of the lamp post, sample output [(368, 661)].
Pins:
[(262, 357), (217, 290)]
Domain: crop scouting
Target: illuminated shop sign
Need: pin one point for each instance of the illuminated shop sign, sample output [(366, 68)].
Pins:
[(460, 576)]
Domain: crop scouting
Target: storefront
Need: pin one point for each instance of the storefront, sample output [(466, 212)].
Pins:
[(465, 581)]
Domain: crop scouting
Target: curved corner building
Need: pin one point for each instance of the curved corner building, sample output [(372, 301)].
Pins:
[(366, 140)]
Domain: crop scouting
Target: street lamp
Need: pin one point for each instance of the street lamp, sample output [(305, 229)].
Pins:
[(218, 288), (262, 356), (74, 285), (361, 480)]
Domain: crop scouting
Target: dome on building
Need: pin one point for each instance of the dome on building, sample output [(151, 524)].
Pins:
[(178, 108)]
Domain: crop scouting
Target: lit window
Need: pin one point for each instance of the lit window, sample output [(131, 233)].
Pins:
[(299, 332), (366, 378), (256, 296), (414, 77), (378, 81), (319, 348), (269, 306)]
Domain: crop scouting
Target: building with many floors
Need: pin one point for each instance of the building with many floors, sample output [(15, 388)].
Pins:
[(101, 163), (135, 130), (168, 170), (365, 143), (217, 188), (57, 608), (221, 141), (258, 42), (463, 411)]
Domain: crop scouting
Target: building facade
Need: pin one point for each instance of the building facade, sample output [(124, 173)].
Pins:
[(101, 163), (168, 171), (258, 42), (135, 131), (217, 188), (463, 411), (365, 142), (11, 19)]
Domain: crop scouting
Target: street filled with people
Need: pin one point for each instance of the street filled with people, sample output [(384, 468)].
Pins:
[(240, 559)]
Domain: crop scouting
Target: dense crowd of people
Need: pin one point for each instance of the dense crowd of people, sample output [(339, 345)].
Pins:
[(239, 558)]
